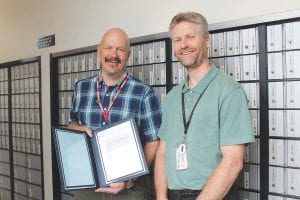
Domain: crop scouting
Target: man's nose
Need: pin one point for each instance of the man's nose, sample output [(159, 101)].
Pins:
[(183, 44), (114, 52)]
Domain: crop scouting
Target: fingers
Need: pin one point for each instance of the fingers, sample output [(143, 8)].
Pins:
[(114, 188), (88, 131)]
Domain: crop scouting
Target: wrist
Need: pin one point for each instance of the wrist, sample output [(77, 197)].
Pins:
[(162, 196)]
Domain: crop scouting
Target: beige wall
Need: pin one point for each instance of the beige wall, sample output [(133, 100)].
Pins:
[(80, 23)]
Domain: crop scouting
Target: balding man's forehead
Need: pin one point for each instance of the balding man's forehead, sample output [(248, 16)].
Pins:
[(115, 37), (115, 32)]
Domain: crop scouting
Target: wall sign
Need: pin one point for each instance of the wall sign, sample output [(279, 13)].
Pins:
[(46, 41)]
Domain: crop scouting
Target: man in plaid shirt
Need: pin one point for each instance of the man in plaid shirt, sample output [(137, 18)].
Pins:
[(111, 96)]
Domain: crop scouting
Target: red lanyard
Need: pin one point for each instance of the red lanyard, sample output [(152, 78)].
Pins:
[(105, 112)]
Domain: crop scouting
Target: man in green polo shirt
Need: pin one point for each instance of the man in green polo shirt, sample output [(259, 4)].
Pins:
[(205, 125)]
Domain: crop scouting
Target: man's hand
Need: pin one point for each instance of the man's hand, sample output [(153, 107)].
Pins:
[(77, 127), (114, 188)]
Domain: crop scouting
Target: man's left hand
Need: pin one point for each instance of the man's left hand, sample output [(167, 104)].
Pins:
[(114, 188)]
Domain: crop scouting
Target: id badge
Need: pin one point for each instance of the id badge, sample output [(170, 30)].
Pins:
[(181, 157)]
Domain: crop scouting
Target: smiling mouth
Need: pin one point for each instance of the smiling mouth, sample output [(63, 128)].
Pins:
[(186, 53), (113, 60)]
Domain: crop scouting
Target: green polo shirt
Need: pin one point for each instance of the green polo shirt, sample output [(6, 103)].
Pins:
[(220, 118)]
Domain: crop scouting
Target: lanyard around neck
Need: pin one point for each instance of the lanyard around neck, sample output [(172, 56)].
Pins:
[(105, 112), (187, 123)]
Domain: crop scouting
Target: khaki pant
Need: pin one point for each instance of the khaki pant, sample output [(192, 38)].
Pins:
[(142, 190)]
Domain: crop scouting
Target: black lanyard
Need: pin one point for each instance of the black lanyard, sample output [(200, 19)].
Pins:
[(188, 122)]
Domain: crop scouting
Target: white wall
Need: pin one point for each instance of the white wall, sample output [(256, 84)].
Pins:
[(80, 23)]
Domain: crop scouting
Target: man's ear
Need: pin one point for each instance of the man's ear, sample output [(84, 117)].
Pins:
[(129, 53), (207, 41), (98, 49)]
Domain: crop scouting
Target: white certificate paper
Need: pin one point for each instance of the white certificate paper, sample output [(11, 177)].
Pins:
[(120, 151)]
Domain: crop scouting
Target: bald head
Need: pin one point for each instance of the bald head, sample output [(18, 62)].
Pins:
[(113, 53), (118, 33)]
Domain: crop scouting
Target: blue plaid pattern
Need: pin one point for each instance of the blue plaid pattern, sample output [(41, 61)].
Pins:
[(136, 99)]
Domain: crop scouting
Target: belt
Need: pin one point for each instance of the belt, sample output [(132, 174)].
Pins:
[(183, 193)]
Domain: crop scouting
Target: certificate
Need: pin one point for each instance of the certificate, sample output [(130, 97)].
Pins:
[(113, 154)]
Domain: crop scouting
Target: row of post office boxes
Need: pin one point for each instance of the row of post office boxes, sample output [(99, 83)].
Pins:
[(4, 155), (27, 115), (32, 131), (30, 161), (252, 152), (284, 65), (140, 54), (284, 152), (64, 116), (284, 123), (78, 63), (25, 71), (3, 101), (28, 190), (27, 175), (150, 74), (5, 194), (5, 182), (4, 141), (248, 195), (25, 100), (5, 168), (274, 197), (3, 87), (284, 180), (240, 68), (3, 115), (67, 81), (250, 177), (26, 145), (148, 53), (65, 99), (4, 128), (29, 85), (284, 94), (244, 41), (255, 118), (3, 74), (178, 72), (252, 92), (283, 36)]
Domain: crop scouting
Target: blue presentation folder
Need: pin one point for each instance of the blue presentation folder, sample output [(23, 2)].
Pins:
[(80, 157)]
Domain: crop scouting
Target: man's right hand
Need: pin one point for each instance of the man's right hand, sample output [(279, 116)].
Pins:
[(77, 127)]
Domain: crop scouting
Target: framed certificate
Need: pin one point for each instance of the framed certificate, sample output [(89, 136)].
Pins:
[(113, 154)]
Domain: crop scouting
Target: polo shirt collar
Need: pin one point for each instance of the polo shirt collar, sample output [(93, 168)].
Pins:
[(201, 85)]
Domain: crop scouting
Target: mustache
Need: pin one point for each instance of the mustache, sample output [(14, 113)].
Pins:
[(113, 59)]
